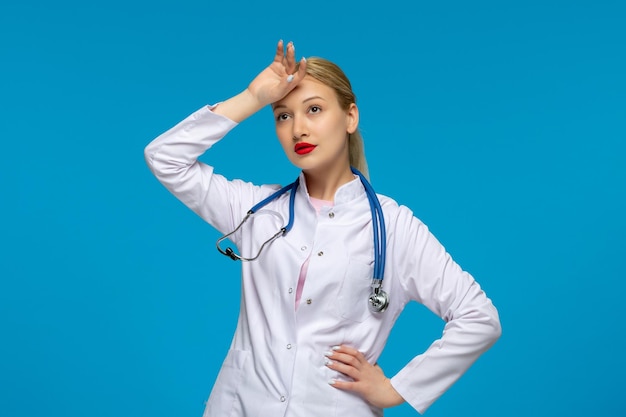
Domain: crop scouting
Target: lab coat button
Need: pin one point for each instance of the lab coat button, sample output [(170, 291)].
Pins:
[(320, 253), (303, 248), (290, 290), (309, 301), (289, 346), (331, 214), (283, 399)]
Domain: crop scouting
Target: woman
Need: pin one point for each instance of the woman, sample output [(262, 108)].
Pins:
[(306, 341)]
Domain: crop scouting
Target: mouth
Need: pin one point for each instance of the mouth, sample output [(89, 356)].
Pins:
[(303, 148)]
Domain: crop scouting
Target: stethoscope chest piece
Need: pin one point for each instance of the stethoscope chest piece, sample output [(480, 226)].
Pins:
[(378, 300)]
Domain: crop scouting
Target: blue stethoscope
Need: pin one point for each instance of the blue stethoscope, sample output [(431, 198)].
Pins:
[(378, 299)]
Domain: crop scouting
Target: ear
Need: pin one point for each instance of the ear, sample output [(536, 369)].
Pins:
[(352, 118)]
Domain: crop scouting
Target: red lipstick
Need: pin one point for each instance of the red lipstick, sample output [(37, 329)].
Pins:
[(303, 148)]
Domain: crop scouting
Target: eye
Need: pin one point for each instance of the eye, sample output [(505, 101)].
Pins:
[(282, 116), (315, 109)]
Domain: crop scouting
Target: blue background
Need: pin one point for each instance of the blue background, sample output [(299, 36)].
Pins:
[(501, 124)]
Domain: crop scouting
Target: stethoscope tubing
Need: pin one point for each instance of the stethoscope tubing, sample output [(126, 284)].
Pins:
[(292, 198), (378, 224), (231, 253), (378, 299)]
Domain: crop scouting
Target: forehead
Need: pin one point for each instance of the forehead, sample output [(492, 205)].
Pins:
[(307, 88)]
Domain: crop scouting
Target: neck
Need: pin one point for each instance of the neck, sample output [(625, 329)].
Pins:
[(323, 185)]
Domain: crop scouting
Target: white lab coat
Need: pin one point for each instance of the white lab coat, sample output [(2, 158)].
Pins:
[(276, 363)]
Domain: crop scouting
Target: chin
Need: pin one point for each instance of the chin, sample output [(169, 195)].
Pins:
[(302, 163)]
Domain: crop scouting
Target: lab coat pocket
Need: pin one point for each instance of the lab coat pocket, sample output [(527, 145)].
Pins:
[(355, 290), (222, 401)]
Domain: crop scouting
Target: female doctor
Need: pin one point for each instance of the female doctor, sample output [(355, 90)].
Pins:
[(327, 265)]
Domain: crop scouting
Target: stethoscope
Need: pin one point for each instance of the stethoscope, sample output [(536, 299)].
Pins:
[(378, 299)]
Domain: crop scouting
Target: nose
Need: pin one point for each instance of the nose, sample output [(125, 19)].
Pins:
[(300, 129)]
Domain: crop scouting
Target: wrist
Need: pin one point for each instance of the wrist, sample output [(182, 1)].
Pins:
[(253, 100), (239, 107), (397, 398)]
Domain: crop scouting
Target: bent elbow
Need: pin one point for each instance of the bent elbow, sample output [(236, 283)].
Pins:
[(148, 155), (495, 328), (497, 331)]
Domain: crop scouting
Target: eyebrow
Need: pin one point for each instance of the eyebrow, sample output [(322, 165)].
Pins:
[(303, 101)]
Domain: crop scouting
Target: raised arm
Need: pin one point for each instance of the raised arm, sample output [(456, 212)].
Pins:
[(271, 85), (173, 156)]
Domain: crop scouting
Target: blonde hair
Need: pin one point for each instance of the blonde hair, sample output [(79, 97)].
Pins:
[(331, 75)]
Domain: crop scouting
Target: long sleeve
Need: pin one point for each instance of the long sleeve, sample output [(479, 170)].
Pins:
[(173, 159), (430, 276), (288, 380)]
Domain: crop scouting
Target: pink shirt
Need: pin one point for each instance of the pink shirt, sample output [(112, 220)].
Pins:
[(317, 204)]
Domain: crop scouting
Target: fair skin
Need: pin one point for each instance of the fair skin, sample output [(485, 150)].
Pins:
[(306, 110), (311, 114)]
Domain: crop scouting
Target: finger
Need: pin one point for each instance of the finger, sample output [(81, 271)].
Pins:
[(345, 369), (343, 385), (290, 55), (298, 76), (302, 68), (284, 54), (348, 354), (346, 349), (279, 52), (346, 359)]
